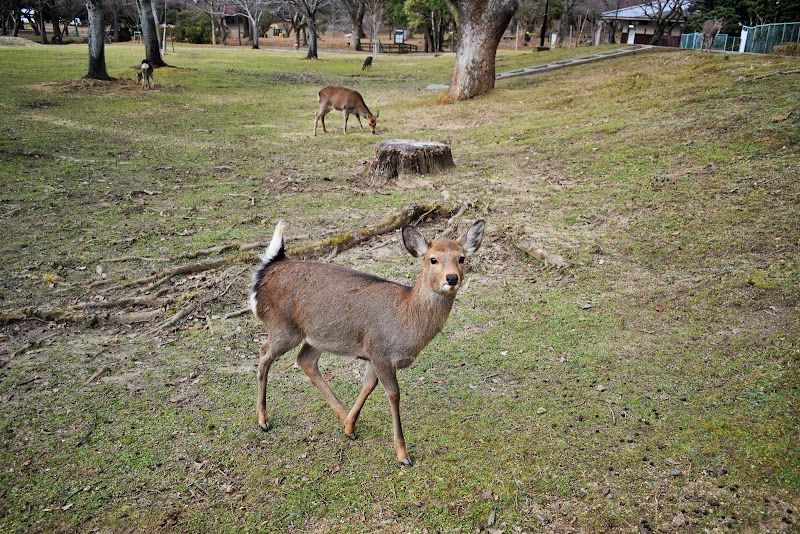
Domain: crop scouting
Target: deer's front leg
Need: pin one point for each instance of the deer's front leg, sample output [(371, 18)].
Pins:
[(368, 384), (388, 379)]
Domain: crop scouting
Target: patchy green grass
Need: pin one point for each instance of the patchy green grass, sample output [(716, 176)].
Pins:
[(654, 382)]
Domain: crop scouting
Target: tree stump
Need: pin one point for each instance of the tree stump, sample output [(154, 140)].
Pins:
[(398, 157)]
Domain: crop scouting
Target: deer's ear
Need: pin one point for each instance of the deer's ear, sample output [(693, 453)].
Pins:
[(471, 241), (378, 114), (415, 242)]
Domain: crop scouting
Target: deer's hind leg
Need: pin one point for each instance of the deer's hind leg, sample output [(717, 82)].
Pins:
[(269, 352), (307, 360), (320, 117)]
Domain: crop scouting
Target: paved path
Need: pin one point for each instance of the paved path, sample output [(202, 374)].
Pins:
[(560, 64)]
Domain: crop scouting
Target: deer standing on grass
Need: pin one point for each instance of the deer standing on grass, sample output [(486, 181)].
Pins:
[(346, 100), (349, 313), (367, 65), (711, 28), (144, 75)]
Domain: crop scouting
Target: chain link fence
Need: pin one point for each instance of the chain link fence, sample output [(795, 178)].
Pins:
[(761, 39), (754, 39), (723, 41)]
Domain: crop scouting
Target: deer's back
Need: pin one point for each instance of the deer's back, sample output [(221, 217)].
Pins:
[(340, 98), (337, 310)]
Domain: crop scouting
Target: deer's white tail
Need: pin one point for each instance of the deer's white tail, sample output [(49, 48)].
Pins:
[(274, 252)]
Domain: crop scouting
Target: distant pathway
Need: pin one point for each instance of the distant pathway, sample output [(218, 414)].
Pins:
[(559, 64)]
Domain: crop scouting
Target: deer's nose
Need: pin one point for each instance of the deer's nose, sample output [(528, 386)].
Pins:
[(452, 279)]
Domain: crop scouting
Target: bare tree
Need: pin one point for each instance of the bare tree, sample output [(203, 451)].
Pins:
[(374, 11), (481, 24), (292, 19), (216, 10), (309, 9), (355, 13), (253, 11), (150, 33), (97, 41), (430, 17), (69, 10)]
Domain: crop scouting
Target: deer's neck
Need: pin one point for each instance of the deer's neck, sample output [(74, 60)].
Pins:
[(426, 312)]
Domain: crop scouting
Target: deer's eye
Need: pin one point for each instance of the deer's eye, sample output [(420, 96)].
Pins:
[(434, 261), (461, 259)]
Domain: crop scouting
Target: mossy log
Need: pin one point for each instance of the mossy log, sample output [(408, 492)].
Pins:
[(398, 157), (83, 312)]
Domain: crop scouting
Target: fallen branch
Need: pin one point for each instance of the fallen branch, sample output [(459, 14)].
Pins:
[(347, 240), (175, 319), (158, 279), (777, 73), (97, 375), (237, 313), (547, 258), (452, 222)]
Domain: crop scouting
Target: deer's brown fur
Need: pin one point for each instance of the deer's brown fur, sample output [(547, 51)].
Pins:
[(333, 309)]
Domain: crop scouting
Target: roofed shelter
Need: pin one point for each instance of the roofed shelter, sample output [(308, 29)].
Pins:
[(659, 19)]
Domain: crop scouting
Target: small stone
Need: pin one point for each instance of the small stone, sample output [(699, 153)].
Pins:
[(540, 411), (679, 520)]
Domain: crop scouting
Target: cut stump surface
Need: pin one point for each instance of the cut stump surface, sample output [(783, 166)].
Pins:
[(399, 157)]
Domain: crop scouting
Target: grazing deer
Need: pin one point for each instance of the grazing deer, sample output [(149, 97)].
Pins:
[(345, 100), (711, 28), (144, 75), (367, 63), (349, 313)]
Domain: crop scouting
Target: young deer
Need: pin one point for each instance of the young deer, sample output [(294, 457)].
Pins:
[(367, 65), (346, 100), (144, 75), (349, 313)]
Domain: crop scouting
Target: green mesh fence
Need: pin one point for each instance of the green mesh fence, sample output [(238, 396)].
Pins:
[(761, 39), (723, 41)]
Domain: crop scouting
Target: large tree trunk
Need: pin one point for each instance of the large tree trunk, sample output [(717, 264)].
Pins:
[(56, 25), (213, 31), (481, 26), (254, 32), (17, 22), (312, 38), (355, 12), (43, 27), (150, 34), (115, 21), (157, 19), (97, 41)]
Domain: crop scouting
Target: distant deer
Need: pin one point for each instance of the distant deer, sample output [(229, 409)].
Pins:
[(349, 313), (345, 100), (367, 63), (144, 75), (710, 30)]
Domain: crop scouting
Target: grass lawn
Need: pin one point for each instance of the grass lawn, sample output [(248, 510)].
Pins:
[(652, 384)]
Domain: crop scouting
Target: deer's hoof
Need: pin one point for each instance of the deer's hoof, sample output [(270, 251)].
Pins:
[(352, 435), (407, 462), (265, 426)]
